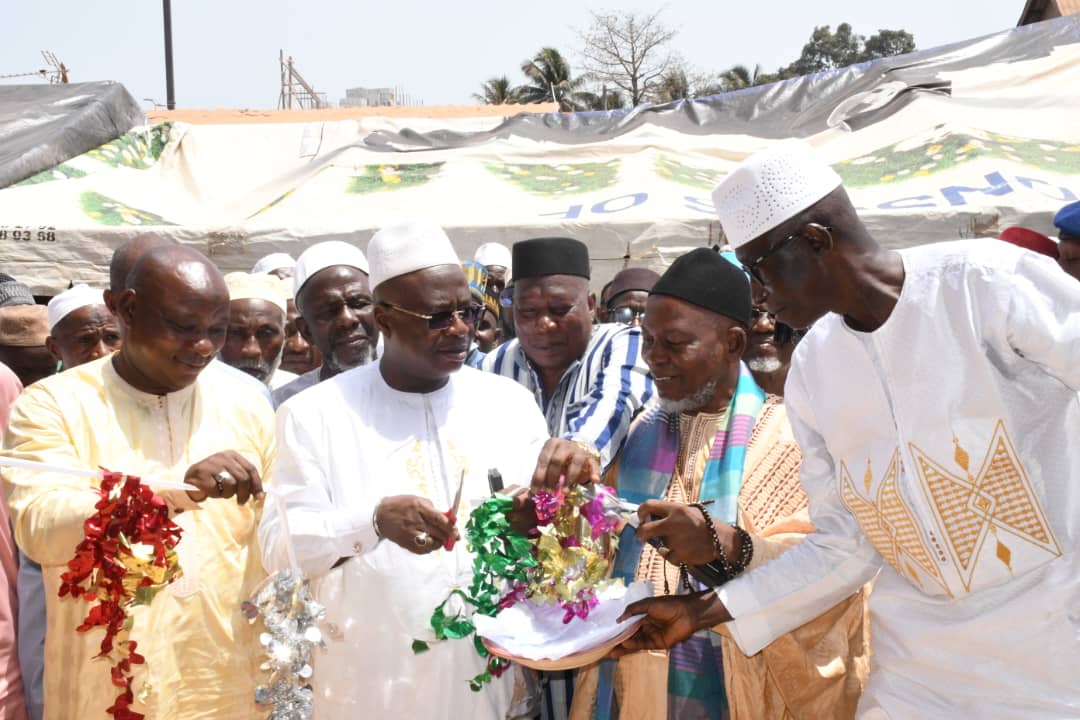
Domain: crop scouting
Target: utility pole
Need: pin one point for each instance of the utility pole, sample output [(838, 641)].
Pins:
[(170, 90)]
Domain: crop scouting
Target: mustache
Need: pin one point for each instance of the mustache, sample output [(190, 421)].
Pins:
[(251, 364)]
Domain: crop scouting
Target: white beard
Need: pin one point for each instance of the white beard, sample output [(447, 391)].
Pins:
[(764, 364), (690, 403)]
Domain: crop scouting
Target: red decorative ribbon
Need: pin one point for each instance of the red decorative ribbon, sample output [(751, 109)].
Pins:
[(126, 557)]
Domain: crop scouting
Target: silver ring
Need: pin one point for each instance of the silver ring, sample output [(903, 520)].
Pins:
[(422, 539), (220, 478)]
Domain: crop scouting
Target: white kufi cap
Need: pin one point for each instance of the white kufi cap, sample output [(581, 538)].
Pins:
[(71, 300), (245, 286), (406, 247), (493, 254), (770, 187), (324, 255), (272, 262)]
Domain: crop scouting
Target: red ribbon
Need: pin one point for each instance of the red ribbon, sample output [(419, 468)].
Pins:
[(96, 574)]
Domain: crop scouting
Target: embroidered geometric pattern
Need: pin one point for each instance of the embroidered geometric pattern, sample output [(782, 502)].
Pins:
[(973, 508), (890, 525)]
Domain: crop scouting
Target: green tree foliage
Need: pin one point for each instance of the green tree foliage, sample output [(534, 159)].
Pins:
[(826, 50), (498, 91), (549, 79)]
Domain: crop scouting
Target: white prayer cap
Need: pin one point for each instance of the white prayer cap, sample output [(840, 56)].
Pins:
[(323, 255), (71, 300), (493, 254), (406, 247), (272, 262), (770, 187), (245, 286)]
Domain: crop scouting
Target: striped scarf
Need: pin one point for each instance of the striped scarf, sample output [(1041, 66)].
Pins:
[(695, 669)]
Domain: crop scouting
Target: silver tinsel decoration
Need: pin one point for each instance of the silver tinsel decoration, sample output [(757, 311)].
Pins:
[(291, 619)]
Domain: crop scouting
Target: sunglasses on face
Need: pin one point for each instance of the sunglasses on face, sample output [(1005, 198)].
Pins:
[(624, 315), (751, 268), (443, 319)]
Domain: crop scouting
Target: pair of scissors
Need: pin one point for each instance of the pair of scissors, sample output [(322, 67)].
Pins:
[(451, 514)]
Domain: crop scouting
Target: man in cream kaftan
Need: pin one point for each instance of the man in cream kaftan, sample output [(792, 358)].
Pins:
[(201, 654)]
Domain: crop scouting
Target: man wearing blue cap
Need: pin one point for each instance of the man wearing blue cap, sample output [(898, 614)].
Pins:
[(1067, 221)]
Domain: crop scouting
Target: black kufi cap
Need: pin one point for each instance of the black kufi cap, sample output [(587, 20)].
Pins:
[(540, 257), (703, 278)]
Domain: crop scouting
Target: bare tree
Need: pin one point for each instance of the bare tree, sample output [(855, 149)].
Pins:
[(628, 50)]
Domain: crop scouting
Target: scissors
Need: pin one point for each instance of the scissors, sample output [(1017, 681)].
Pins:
[(451, 514)]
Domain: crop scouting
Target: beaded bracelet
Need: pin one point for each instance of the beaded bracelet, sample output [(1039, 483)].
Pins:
[(746, 545), (746, 549)]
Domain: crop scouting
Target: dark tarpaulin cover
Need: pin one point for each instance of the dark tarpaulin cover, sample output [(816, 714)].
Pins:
[(42, 126), (858, 95)]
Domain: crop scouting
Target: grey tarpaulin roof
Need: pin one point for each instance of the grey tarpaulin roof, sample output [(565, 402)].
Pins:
[(42, 126), (799, 107)]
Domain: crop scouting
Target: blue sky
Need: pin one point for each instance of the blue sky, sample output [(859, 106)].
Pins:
[(438, 52)]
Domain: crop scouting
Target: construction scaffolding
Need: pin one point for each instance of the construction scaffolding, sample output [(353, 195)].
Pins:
[(296, 92)]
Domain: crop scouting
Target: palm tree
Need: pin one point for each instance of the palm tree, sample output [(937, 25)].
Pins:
[(738, 77), (498, 91), (549, 80), (674, 85)]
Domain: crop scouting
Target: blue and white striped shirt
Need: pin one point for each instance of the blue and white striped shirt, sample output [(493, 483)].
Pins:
[(597, 396)]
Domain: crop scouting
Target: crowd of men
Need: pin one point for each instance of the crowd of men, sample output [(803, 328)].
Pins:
[(875, 448)]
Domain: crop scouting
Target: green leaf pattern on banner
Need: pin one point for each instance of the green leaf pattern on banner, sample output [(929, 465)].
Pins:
[(138, 150), (890, 164), (562, 179), (63, 171), (696, 177), (385, 178), (108, 211)]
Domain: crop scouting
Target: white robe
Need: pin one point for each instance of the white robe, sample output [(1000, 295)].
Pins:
[(345, 444), (943, 449)]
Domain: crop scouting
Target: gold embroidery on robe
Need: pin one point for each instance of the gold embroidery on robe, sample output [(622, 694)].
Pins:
[(997, 503), (890, 525)]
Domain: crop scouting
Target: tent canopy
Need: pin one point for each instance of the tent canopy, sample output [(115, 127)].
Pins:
[(955, 142)]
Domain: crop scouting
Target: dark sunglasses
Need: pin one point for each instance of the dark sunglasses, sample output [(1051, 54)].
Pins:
[(751, 268), (445, 318), (624, 315)]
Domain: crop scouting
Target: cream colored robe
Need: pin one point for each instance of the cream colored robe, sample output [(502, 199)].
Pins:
[(816, 671), (202, 656)]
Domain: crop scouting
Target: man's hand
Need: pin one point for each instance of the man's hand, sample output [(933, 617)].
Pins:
[(670, 619), (683, 530), (413, 523), (522, 513), (224, 475), (561, 458)]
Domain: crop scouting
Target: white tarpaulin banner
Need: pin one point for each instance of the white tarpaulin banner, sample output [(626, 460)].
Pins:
[(1001, 148)]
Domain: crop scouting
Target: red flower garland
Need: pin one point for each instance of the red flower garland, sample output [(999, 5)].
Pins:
[(129, 516)]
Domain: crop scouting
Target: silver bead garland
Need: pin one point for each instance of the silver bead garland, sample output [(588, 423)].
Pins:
[(291, 619)]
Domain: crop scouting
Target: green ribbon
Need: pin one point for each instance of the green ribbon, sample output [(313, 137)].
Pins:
[(501, 563)]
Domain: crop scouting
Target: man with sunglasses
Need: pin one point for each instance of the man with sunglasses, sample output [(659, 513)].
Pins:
[(935, 402), (626, 296), (373, 465), (330, 282), (769, 348)]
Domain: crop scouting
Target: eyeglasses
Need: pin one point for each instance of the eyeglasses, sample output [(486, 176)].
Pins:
[(751, 268), (624, 315), (445, 318)]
